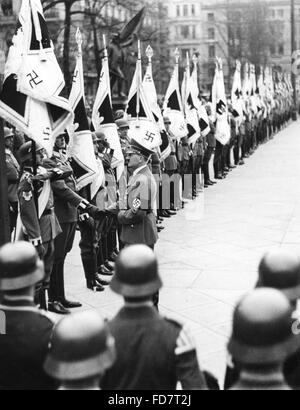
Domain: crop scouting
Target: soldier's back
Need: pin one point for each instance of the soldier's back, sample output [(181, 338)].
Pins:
[(146, 345), (24, 347)]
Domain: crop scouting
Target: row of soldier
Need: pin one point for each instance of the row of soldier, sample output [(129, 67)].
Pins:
[(139, 349), (43, 198)]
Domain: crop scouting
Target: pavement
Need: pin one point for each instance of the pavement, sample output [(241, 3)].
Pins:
[(209, 253)]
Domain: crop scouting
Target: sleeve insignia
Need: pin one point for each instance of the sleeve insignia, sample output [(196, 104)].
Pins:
[(27, 195)]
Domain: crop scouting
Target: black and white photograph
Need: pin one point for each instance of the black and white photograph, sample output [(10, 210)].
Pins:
[(149, 198)]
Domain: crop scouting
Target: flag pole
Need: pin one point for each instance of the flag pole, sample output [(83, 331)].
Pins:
[(4, 213), (149, 54), (105, 46), (138, 107)]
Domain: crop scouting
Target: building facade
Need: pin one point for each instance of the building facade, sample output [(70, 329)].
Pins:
[(213, 28)]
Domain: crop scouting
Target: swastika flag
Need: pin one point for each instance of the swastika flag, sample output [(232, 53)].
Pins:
[(31, 97)]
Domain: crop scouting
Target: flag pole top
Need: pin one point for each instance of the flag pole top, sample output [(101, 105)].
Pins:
[(177, 55), (195, 60), (139, 50), (78, 40), (188, 59), (149, 53)]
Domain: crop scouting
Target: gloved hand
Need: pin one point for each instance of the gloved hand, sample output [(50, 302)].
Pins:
[(40, 251), (83, 205), (95, 212), (84, 217)]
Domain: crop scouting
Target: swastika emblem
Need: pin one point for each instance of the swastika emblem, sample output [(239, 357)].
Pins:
[(47, 133), (74, 77), (150, 136), (34, 79)]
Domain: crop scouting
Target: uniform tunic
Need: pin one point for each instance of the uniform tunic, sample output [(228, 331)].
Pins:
[(153, 353), (140, 227), (24, 347)]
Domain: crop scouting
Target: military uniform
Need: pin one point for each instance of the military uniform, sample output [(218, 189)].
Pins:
[(262, 340), (13, 175), (40, 226), (24, 347), (140, 227), (26, 331), (66, 202), (153, 352)]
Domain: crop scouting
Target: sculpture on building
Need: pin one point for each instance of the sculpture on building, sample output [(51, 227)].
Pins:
[(7, 7), (117, 54)]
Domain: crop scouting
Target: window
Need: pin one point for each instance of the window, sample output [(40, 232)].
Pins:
[(212, 52), (178, 11), (272, 50), (193, 28), (210, 17), (281, 49), (211, 33), (211, 72), (193, 10), (185, 10), (280, 13), (185, 32), (272, 14), (184, 52)]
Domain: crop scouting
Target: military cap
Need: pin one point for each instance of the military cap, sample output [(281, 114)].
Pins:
[(262, 329), (122, 123), (20, 266), (136, 273), (8, 133), (81, 347), (280, 269), (25, 151), (137, 148), (100, 135)]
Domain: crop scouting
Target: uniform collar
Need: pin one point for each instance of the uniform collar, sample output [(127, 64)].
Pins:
[(141, 312), (138, 170), (18, 301)]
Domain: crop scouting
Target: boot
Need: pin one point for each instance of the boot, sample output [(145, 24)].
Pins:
[(91, 284), (89, 266)]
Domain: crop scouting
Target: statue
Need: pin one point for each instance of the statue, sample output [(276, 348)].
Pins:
[(7, 7), (116, 52)]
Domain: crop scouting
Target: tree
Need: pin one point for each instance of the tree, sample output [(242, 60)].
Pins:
[(250, 35)]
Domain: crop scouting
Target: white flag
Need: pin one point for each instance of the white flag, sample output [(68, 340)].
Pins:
[(150, 91), (103, 120), (220, 106), (236, 94), (33, 82), (173, 107), (191, 114), (140, 115), (81, 148), (202, 114)]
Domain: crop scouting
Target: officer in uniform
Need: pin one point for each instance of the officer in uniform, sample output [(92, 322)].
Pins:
[(211, 146), (91, 228), (67, 206), (81, 350), (153, 353), (13, 175), (138, 220), (40, 225), (262, 340), (279, 270), (24, 341)]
